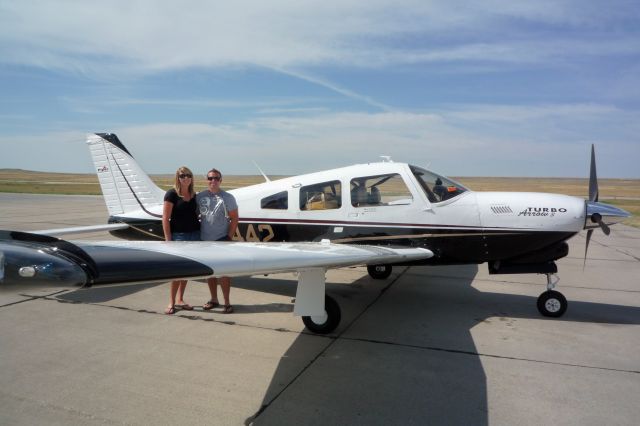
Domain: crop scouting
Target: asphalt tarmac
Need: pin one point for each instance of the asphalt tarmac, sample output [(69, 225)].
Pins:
[(438, 345)]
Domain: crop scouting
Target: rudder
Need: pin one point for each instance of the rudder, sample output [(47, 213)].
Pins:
[(125, 186)]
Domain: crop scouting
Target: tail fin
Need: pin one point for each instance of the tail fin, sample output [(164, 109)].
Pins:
[(125, 186)]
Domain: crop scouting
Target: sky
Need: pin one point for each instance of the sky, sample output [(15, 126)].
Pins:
[(465, 88)]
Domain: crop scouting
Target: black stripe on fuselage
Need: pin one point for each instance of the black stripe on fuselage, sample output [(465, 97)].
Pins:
[(450, 244), (139, 229)]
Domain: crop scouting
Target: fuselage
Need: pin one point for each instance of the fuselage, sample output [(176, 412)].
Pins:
[(397, 204)]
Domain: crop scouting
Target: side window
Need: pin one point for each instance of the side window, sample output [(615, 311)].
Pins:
[(381, 190), (279, 201), (321, 196)]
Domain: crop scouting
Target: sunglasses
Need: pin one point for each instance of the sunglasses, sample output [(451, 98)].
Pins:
[(184, 175), (216, 178)]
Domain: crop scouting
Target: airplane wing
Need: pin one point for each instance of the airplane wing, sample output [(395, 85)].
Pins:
[(38, 260), (114, 262)]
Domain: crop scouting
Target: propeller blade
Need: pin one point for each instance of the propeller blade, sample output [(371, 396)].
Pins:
[(593, 178), (597, 218), (586, 247)]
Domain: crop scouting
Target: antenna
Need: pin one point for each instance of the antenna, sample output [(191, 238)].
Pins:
[(261, 172)]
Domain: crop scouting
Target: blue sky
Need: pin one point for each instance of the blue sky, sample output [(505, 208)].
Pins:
[(491, 88)]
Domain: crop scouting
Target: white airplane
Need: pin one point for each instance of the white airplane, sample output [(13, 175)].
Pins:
[(378, 214)]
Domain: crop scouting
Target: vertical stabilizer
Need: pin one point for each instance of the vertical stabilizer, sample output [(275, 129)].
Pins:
[(125, 186)]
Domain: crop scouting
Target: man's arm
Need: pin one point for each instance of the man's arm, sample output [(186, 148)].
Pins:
[(233, 223)]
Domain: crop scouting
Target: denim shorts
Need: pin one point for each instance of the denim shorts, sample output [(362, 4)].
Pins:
[(185, 236)]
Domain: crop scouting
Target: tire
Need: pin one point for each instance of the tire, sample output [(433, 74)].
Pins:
[(328, 324), (552, 304), (379, 272)]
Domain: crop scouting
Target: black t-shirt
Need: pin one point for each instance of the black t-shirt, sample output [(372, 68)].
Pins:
[(184, 215)]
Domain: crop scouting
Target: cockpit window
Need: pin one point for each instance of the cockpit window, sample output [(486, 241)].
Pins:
[(437, 188), (279, 201), (321, 196), (380, 190)]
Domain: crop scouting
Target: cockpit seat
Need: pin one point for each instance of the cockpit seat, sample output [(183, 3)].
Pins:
[(440, 191), (359, 196)]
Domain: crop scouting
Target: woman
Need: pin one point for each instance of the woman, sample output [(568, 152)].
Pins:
[(180, 223)]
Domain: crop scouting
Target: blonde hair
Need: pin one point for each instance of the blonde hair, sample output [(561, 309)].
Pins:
[(176, 185)]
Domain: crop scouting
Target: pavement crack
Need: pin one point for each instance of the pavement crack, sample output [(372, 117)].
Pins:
[(31, 298), (637, 259), (486, 355)]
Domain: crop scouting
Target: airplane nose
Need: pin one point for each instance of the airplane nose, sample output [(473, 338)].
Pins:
[(598, 213)]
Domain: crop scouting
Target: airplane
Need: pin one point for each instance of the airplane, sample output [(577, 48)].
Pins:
[(380, 214)]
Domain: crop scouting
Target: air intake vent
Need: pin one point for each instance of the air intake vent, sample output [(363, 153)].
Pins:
[(501, 209)]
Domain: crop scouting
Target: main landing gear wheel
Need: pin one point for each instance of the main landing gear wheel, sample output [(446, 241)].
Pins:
[(326, 323), (379, 272), (552, 304)]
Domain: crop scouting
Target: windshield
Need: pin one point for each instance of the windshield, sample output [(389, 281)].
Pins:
[(437, 188)]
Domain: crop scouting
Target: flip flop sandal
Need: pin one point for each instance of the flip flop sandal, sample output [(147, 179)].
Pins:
[(210, 305), (186, 307), (170, 311), (228, 309)]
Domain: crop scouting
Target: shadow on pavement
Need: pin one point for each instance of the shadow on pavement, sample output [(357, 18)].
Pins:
[(409, 357), (385, 366), (104, 294)]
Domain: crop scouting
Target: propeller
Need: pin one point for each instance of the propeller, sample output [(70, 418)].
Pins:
[(593, 178), (593, 197)]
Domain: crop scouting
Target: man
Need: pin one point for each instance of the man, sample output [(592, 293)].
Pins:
[(219, 220)]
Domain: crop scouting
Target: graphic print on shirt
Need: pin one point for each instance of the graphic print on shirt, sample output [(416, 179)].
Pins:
[(210, 208)]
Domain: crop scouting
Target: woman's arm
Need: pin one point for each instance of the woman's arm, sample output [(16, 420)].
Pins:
[(167, 208)]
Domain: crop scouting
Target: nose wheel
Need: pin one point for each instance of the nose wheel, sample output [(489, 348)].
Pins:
[(379, 272), (552, 303)]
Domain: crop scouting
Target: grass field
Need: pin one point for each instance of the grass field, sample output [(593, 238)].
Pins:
[(624, 193)]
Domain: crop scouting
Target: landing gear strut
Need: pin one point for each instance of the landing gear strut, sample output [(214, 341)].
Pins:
[(552, 303)]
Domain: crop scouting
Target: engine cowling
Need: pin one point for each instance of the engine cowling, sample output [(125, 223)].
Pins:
[(32, 261)]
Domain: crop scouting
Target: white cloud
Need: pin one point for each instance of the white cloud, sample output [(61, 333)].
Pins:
[(81, 104), (455, 142), (145, 36), (305, 39)]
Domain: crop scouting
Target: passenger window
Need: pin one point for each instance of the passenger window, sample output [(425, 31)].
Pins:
[(279, 201), (380, 190), (321, 196)]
